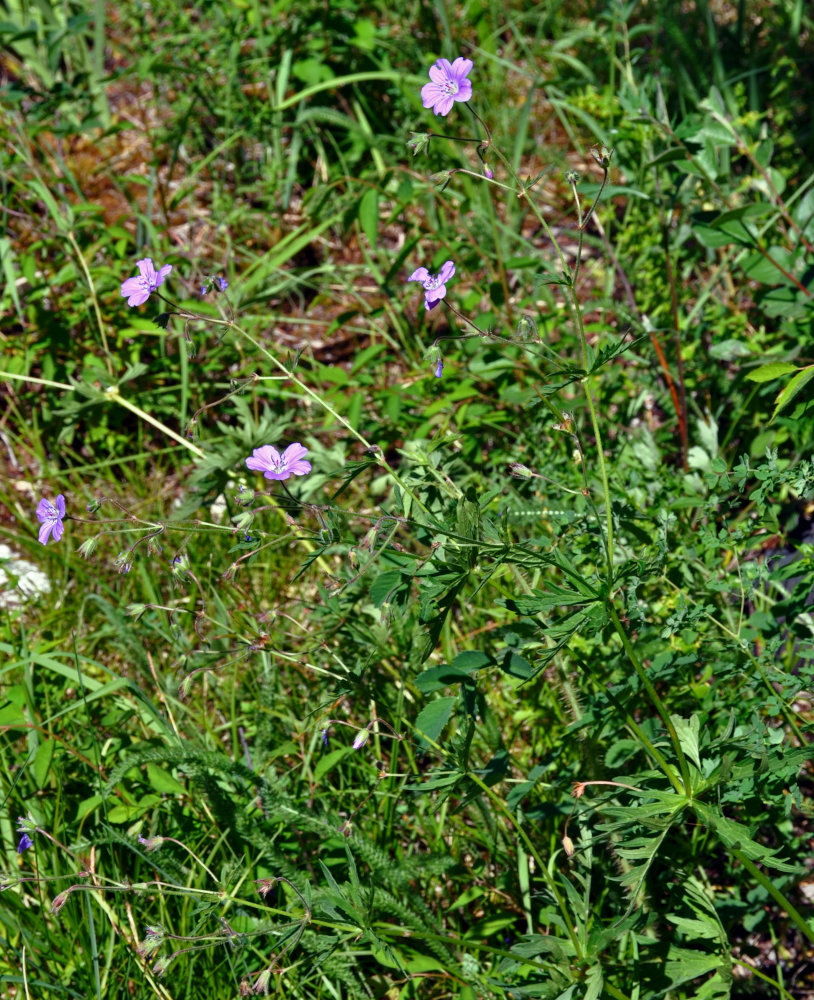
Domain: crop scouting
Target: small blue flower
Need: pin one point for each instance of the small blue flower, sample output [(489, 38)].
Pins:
[(223, 284), (25, 843), (439, 368), (325, 737)]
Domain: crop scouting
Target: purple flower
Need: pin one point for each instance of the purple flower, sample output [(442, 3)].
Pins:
[(449, 84), (325, 737), (25, 843), (212, 281), (361, 738), (138, 290), (435, 285), (51, 519), (273, 465), (439, 368)]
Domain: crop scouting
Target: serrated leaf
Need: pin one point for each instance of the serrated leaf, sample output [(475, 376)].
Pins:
[(433, 717), (687, 731), (595, 980), (736, 836)]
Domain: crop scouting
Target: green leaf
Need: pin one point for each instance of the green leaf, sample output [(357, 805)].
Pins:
[(775, 369), (42, 761), (162, 781), (735, 835), (369, 215), (687, 731), (433, 717), (795, 386), (437, 678), (385, 585)]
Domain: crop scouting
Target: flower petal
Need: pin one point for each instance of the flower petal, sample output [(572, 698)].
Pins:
[(440, 71), (162, 274), (431, 93), (293, 453), (61, 505), (263, 459), (146, 269), (444, 105), (446, 271), (45, 530), (420, 274), (460, 68)]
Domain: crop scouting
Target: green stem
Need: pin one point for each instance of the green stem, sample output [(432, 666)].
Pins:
[(94, 300), (794, 915), (659, 706), (113, 393), (543, 869)]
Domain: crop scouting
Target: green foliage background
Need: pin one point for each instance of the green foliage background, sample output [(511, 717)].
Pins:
[(511, 696)]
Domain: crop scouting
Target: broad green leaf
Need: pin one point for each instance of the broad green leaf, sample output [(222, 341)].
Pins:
[(384, 586), (162, 781), (775, 369), (433, 717), (42, 762)]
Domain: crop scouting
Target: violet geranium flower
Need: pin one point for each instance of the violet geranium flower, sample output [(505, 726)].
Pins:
[(273, 465), (50, 518), (449, 84), (435, 285), (138, 289)]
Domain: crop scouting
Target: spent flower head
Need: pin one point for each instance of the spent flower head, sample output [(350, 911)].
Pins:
[(273, 465), (138, 289), (449, 84), (435, 285), (50, 518)]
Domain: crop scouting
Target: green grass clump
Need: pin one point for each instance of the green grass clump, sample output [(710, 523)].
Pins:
[(509, 695)]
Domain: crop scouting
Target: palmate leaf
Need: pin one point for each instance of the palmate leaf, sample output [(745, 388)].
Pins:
[(645, 850), (735, 836)]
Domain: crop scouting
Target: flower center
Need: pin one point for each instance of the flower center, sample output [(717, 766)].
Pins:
[(450, 87), (431, 283)]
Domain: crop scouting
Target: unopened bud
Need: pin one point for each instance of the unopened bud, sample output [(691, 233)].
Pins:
[(520, 471), (361, 738)]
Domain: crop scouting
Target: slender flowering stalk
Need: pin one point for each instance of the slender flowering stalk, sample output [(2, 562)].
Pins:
[(50, 518), (449, 84), (273, 465), (435, 285), (138, 289)]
